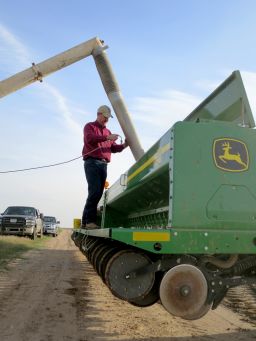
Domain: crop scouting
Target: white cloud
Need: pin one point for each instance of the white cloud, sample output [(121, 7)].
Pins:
[(16, 55), (63, 108), (12, 50), (154, 115), (164, 109)]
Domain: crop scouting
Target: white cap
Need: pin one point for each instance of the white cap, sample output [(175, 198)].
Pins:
[(105, 111)]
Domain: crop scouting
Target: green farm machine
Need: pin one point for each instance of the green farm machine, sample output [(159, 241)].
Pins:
[(180, 225)]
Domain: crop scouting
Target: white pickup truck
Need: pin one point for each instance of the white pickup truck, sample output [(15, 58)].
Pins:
[(22, 221), (51, 225)]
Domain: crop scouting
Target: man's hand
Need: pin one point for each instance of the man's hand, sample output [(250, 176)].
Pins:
[(112, 137)]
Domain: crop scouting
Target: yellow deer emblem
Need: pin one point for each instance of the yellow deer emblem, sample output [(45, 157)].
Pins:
[(227, 156)]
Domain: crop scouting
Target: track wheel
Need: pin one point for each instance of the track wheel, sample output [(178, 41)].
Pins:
[(98, 256), (94, 252), (149, 299), (123, 285), (91, 248), (103, 261), (183, 292), (86, 244)]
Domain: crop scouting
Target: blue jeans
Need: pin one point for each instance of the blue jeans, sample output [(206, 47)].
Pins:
[(96, 174)]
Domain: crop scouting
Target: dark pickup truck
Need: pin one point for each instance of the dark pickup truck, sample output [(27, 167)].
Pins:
[(22, 221)]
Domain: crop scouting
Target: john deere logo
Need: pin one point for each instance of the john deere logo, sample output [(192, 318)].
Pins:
[(230, 155)]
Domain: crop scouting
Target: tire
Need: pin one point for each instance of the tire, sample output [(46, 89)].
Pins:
[(33, 235), (41, 234)]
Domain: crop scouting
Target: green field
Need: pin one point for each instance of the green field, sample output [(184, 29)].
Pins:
[(12, 247)]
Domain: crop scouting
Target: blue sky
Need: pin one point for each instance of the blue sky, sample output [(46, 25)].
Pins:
[(167, 57)]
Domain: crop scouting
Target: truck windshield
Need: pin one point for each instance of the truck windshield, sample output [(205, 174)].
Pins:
[(20, 210), (50, 219)]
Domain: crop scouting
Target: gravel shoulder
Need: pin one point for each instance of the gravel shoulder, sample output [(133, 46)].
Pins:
[(54, 294)]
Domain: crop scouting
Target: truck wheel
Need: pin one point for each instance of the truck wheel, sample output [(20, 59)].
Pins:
[(41, 234), (33, 235)]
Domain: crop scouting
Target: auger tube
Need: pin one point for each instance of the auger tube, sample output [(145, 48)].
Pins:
[(43, 69), (93, 47), (116, 99)]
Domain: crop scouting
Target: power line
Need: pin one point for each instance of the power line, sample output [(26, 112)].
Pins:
[(40, 167), (47, 166)]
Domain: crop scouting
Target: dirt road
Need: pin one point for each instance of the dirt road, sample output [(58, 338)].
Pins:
[(54, 294)]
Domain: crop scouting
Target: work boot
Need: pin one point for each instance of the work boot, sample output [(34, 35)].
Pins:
[(92, 226)]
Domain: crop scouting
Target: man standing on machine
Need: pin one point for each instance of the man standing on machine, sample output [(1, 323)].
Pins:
[(99, 143)]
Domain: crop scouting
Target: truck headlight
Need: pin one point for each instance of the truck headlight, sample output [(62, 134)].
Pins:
[(30, 222)]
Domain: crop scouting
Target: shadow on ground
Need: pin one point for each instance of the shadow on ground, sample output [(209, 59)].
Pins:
[(94, 320)]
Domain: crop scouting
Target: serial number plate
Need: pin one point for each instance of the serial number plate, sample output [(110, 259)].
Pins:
[(13, 220)]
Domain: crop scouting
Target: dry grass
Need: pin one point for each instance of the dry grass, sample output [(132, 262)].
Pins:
[(13, 247)]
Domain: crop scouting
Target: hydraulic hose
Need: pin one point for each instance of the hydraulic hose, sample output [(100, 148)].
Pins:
[(223, 264)]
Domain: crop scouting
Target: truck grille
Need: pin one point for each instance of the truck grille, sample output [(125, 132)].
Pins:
[(9, 222)]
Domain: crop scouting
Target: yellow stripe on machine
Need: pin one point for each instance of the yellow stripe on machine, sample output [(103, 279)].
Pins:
[(151, 160), (151, 236)]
